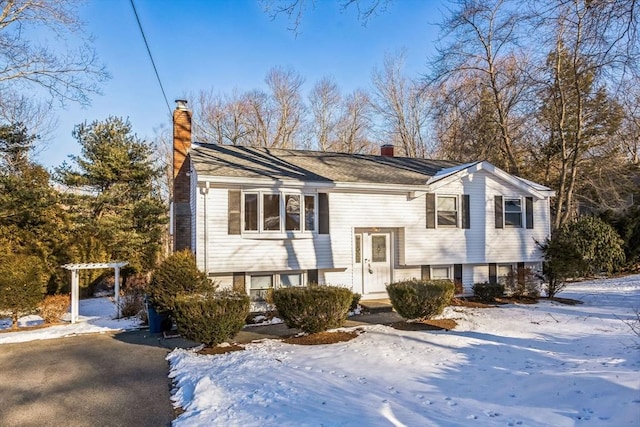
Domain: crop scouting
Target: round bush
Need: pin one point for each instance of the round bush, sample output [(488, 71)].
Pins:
[(488, 291), (211, 318), (313, 309), (178, 274), (53, 307), (415, 299)]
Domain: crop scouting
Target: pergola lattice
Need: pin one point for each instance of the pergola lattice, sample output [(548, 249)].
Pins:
[(75, 283)]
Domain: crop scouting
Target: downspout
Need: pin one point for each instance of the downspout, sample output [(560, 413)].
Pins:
[(204, 191)]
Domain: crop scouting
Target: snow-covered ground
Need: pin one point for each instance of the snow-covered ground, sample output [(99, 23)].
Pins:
[(517, 365), (96, 315)]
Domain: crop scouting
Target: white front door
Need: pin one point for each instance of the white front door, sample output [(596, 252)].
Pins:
[(376, 262)]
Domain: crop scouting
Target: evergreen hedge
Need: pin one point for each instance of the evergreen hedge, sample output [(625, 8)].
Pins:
[(178, 274), (211, 318), (415, 299), (488, 291), (313, 309), (22, 284)]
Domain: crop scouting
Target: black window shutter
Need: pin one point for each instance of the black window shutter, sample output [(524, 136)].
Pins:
[(493, 273), (498, 212), (457, 277), (323, 212), (312, 276), (529, 211), (466, 216), (426, 272), (431, 210), (521, 273), (234, 212)]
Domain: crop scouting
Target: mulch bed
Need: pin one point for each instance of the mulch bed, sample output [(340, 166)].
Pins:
[(221, 349), (567, 301), (323, 338), (426, 325)]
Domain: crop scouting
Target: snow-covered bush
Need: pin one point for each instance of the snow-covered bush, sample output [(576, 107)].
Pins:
[(314, 308), (211, 318), (420, 299), (53, 307), (178, 274), (488, 291)]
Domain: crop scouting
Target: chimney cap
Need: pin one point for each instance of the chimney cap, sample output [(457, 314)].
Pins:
[(181, 104)]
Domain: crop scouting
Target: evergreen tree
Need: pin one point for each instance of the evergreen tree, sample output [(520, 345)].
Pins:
[(115, 201), (22, 284), (31, 219)]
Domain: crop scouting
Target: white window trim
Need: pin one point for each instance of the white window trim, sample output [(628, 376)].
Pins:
[(504, 211), (457, 198), (449, 271), (282, 231)]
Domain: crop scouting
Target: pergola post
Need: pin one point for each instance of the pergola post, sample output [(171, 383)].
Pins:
[(75, 291), (117, 291)]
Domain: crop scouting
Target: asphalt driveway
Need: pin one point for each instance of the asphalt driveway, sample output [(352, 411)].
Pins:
[(87, 380)]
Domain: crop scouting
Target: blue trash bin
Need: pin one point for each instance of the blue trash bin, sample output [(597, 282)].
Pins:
[(157, 321)]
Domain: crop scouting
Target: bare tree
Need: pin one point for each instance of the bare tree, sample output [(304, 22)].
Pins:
[(481, 45), (69, 75), (588, 49), (324, 103), (222, 119), (16, 108), (401, 105), (353, 129), (288, 108), (294, 10)]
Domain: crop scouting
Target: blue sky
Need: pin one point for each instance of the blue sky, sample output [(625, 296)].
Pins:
[(227, 44)]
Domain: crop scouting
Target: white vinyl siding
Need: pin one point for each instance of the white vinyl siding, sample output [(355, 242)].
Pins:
[(399, 212)]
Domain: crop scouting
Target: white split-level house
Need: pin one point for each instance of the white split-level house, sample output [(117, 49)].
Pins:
[(257, 218)]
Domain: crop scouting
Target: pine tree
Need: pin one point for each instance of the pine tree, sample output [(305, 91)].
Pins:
[(115, 202)]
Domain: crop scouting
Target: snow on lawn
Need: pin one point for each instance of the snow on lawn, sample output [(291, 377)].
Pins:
[(96, 315), (546, 364)]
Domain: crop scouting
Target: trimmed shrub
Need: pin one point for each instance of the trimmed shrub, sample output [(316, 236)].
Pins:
[(178, 274), (313, 309), (22, 284), (416, 299), (355, 301), (131, 302), (53, 307), (488, 291), (522, 283), (211, 318)]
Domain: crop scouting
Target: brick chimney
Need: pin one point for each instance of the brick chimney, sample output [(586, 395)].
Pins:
[(386, 150), (181, 179)]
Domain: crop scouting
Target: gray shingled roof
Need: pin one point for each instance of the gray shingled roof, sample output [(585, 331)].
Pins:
[(260, 162)]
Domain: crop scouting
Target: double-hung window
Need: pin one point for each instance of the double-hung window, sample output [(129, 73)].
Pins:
[(447, 211), (279, 212), (513, 213)]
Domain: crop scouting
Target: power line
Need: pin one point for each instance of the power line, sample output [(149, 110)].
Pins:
[(135, 12)]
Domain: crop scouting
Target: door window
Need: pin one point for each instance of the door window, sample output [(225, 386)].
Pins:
[(379, 248)]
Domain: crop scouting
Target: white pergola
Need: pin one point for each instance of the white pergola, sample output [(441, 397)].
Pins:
[(75, 283)]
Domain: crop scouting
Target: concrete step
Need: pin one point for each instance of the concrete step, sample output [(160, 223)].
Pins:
[(377, 305)]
